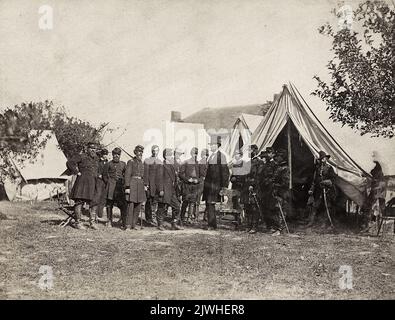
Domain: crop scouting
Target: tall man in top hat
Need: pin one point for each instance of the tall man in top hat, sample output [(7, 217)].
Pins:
[(151, 166), (114, 178), (217, 177), (167, 187), (191, 177), (323, 187), (134, 188), (86, 167)]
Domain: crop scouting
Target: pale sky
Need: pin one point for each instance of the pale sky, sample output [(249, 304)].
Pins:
[(132, 62)]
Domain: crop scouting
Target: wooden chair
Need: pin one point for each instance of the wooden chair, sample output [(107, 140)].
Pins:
[(226, 206), (388, 214)]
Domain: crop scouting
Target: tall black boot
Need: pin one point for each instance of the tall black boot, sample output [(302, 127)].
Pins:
[(184, 207), (109, 217), (78, 214)]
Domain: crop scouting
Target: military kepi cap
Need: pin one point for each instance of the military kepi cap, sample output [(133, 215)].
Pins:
[(139, 148), (116, 151)]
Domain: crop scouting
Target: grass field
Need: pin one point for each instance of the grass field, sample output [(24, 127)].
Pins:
[(187, 264)]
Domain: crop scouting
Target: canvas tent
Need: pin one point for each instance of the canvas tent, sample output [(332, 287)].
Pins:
[(291, 124), (241, 133), (39, 178)]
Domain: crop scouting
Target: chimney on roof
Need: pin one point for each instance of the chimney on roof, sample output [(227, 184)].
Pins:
[(175, 116)]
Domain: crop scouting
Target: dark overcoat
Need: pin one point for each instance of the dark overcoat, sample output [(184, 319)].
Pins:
[(253, 169), (151, 166), (217, 177), (134, 180), (114, 178), (85, 184), (100, 198), (167, 182)]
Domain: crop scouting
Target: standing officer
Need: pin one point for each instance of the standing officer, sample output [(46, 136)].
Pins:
[(217, 177), (203, 163), (151, 165), (190, 177), (100, 196), (86, 167), (266, 187), (281, 190), (250, 190), (114, 178), (323, 182), (134, 188), (239, 169), (167, 185)]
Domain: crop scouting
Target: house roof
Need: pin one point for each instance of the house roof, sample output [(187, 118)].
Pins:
[(225, 117)]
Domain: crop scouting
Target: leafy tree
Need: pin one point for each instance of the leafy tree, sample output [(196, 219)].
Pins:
[(21, 129), (361, 93)]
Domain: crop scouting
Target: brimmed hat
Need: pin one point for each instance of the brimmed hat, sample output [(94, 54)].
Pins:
[(322, 155), (178, 150), (116, 151), (195, 150)]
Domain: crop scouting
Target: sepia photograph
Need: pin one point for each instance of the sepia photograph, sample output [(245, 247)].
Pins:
[(176, 151)]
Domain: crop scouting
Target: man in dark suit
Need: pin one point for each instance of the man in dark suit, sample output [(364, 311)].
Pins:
[(114, 178), (217, 177), (167, 187), (134, 188)]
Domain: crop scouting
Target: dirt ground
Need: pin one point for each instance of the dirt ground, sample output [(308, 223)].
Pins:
[(189, 264)]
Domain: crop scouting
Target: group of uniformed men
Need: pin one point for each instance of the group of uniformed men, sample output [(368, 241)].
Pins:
[(262, 184)]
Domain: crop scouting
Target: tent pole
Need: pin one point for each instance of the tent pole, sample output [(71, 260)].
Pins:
[(290, 162), (289, 152)]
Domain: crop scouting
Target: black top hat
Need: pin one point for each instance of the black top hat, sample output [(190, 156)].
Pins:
[(322, 155), (216, 140)]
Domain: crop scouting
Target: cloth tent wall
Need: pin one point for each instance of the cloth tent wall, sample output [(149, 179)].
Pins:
[(290, 106), (241, 134), (39, 178)]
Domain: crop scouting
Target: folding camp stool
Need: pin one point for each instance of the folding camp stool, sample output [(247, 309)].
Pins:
[(70, 216), (388, 214)]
